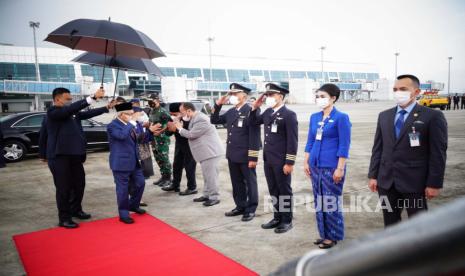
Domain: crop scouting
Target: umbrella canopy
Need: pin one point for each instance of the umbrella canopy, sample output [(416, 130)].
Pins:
[(105, 37), (122, 63)]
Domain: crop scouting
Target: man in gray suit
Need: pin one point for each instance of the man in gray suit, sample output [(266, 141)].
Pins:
[(206, 149)]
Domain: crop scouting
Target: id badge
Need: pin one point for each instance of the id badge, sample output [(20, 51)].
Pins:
[(319, 134), (274, 128), (240, 122), (414, 139)]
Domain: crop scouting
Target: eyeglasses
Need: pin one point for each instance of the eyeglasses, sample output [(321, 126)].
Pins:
[(128, 114)]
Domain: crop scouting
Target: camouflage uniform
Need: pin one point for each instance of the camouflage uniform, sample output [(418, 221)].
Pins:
[(161, 143)]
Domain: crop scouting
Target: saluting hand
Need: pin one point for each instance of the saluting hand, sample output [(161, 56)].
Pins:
[(222, 100), (258, 102)]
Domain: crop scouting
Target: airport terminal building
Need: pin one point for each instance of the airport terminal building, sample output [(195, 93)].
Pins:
[(185, 77)]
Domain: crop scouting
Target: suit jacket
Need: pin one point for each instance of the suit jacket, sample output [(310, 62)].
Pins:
[(279, 147), (410, 169), (204, 141), (73, 123), (243, 141), (124, 154)]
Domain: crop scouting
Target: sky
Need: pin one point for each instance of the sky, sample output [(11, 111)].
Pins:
[(424, 32)]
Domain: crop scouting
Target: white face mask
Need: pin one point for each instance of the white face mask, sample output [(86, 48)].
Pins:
[(270, 101), (143, 118), (402, 97), (234, 100), (186, 119), (322, 102)]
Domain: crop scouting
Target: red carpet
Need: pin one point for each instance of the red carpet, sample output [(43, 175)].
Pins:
[(109, 247)]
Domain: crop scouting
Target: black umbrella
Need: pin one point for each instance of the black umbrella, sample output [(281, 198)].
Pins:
[(105, 37), (119, 63)]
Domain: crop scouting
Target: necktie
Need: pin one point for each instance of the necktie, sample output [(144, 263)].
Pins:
[(400, 122)]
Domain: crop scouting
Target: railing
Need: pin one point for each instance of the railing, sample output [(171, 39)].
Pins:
[(36, 87)]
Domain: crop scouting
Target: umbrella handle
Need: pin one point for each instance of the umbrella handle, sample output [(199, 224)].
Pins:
[(116, 83), (104, 63)]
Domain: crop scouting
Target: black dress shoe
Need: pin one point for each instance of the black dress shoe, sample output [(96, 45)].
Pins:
[(272, 224), (211, 202), (82, 215), (324, 245), (68, 224), (201, 199), (234, 212), (126, 220), (143, 204), (157, 183), (283, 228), (140, 211), (170, 188), (248, 216), (188, 192)]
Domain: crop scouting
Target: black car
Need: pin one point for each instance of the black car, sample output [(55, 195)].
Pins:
[(21, 134)]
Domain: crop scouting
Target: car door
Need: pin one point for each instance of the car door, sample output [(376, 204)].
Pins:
[(29, 126), (95, 132)]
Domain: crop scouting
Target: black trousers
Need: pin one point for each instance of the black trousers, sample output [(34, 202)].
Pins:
[(456, 105), (279, 187), (462, 104), (183, 159), (413, 203), (244, 186), (70, 181)]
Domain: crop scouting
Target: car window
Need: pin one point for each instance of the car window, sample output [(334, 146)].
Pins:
[(31, 121), (6, 118)]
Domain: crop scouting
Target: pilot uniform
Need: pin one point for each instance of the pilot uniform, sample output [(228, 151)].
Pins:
[(242, 146), (279, 149)]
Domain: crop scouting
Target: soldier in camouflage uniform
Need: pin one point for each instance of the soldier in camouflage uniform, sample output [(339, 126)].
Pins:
[(161, 143)]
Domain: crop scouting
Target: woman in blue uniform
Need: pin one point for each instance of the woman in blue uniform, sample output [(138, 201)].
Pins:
[(325, 163)]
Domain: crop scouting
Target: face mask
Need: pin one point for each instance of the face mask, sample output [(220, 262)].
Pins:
[(322, 102), (143, 118), (402, 97), (234, 100), (270, 101), (67, 103), (186, 119)]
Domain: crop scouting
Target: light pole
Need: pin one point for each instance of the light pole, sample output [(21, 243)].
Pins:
[(322, 48), (448, 77), (35, 25), (210, 41), (395, 68)]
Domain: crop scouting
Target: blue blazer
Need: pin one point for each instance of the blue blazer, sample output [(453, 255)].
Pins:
[(335, 142), (124, 155)]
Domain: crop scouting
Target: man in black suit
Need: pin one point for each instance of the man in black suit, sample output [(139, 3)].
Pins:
[(65, 151), (456, 101), (409, 153)]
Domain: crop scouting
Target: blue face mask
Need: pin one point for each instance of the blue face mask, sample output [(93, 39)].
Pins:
[(67, 103)]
